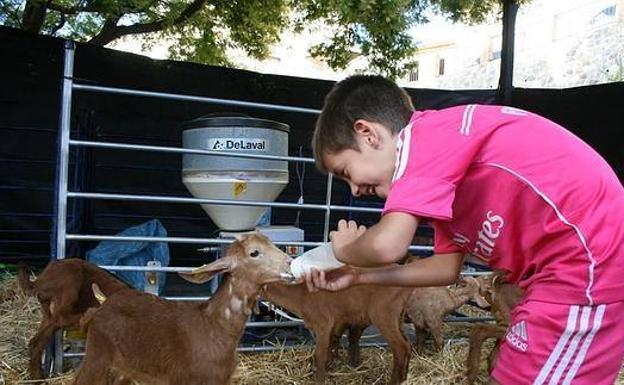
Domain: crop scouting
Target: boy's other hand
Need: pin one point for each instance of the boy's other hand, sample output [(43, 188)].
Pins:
[(346, 233), (334, 280)]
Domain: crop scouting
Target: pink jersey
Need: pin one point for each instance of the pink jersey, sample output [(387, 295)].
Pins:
[(519, 192)]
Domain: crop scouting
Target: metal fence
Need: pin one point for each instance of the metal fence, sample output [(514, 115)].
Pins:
[(69, 86)]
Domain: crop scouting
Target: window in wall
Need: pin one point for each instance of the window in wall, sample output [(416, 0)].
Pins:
[(441, 67), (413, 77), (455, 55)]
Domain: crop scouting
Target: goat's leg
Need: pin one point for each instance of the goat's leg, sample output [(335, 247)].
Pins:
[(390, 328), (421, 335), (355, 333), (436, 333), (479, 334), (334, 343), (96, 367), (494, 355), (433, 322), (93, 371), (56, 314), (37, 345), (321, 352)]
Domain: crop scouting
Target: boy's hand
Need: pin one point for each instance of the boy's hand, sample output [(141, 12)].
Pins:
[(346, 233), (334, 280)]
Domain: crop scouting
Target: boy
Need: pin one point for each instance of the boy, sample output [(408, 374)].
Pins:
[(513, 189)]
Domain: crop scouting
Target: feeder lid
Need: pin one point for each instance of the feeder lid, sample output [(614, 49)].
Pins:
[(234, 120)]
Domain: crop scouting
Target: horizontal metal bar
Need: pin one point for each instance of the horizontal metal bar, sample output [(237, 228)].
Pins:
[(177, 150), (272, 324), (87, 237), (225, 202), (468, 319), (476, 273), (267, 348), (192, 98), (188, 299), (72, 355), (163, 269)]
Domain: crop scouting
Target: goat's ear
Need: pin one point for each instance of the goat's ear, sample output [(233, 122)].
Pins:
[(255, 309), (205, 273), (241, 237), (475, 289), (497, 277), (481, 301)]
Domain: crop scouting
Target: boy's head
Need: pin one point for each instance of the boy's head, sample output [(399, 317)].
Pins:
[(357, 130)]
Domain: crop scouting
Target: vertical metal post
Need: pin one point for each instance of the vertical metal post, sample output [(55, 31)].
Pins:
[(63, 165), (328, 209), (62, 180), (505, 84)]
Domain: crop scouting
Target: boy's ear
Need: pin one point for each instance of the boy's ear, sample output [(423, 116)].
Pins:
[(367, 131)]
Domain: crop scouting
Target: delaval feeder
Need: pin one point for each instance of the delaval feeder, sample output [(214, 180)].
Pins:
[(243, 179)]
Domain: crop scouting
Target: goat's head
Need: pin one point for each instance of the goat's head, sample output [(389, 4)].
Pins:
[(472, 287), (252, 257), (488, 284)]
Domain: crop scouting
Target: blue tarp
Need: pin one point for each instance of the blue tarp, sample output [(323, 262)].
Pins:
[(119, 253)]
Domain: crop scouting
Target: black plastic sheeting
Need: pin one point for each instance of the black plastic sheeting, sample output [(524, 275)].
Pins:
[(29, 120)]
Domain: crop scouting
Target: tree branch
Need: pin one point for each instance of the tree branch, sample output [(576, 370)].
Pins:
[(107, 33), (118, 31), (60, 25)]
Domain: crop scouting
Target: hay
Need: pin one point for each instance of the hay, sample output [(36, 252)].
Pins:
[(20, 315), (290, 367)]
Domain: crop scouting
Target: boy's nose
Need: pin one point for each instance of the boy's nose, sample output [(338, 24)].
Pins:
[(355, 190)]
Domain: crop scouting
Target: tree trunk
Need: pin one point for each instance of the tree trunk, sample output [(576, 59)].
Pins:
[(34, 15)]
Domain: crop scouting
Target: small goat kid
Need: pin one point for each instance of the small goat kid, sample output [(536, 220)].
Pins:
[(152, 340), (427, 307), (328, 314), (503, 297), (64, 292)]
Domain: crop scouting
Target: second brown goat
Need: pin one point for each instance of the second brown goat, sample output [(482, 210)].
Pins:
[(503, 297), (327, 314), (427, 307), (64, 292)]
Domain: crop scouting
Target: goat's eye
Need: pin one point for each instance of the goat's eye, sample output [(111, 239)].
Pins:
[(254, 254)]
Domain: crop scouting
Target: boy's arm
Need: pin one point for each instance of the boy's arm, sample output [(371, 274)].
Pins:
[(437, 270), (384, 243)]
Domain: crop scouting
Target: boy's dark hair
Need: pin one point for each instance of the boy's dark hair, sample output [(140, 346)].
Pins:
[(368, 97)]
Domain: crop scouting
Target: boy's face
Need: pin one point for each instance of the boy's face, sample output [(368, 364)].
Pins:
[(369, 169)]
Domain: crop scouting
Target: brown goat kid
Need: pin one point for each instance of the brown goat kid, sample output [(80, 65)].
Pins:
[(64, 292), (427, 307), (503, 297), (151, 340), (328, 314)]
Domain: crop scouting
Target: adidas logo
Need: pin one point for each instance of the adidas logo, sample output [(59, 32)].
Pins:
[(518, 337)]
